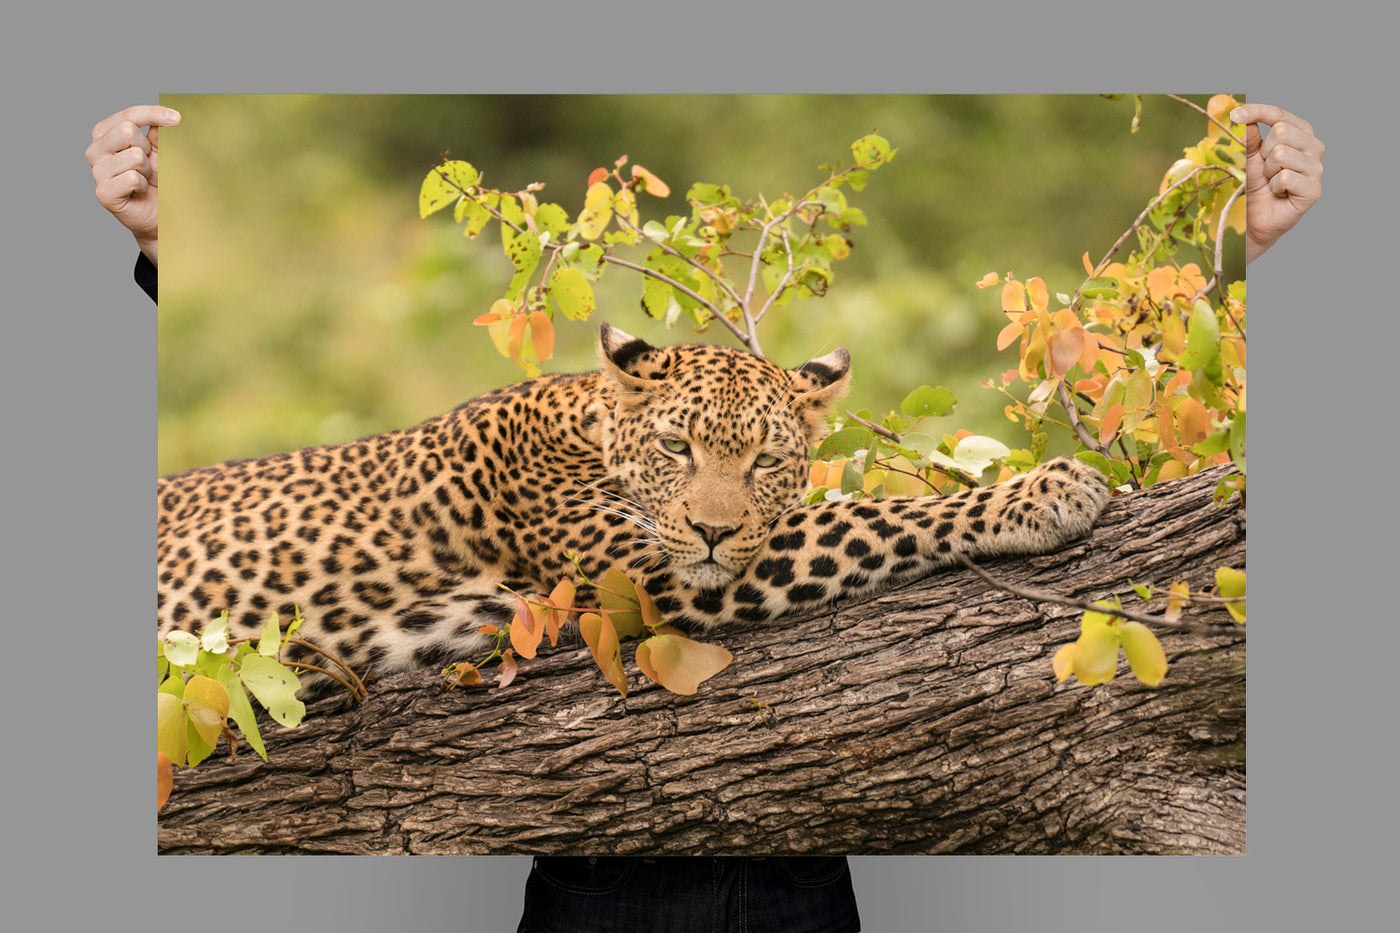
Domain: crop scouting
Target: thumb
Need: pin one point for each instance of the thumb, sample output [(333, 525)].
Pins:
[(170, 117)]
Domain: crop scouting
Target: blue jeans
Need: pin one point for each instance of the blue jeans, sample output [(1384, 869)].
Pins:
[(611, 894)]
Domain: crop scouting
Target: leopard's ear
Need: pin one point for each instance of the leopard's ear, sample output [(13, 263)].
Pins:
[(631, 363), (817, 385)]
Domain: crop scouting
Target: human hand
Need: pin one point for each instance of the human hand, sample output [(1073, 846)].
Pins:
[(1283, 173), (124, 165)]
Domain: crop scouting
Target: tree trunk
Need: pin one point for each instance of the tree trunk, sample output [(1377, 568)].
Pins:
[(925, 720)]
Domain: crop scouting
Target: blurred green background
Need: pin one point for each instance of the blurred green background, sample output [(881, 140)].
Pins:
[(303, 301)]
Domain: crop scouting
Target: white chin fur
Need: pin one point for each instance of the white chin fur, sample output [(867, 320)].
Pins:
[(707, 575)]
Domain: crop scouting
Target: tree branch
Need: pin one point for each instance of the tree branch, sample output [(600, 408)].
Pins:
[(923, 720)]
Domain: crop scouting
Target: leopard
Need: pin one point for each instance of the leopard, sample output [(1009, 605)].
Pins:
[(684, 465)]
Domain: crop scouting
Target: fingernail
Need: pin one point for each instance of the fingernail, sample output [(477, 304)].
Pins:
[(1237, 114)]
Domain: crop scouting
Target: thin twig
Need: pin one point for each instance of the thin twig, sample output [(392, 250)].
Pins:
[(956, 475), (1200, 109), (1046, 596), (1151, 206), (1072, 409)]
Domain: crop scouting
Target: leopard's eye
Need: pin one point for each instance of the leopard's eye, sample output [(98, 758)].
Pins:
[(763, 461), (675, 445)]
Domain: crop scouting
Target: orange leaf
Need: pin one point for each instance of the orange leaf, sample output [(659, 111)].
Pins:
[(508, 669), (542, 335), (489, 317), (1064, 349), (680, 664), (1166, 427), (165, 779), (561, 598), (602, 641), (525, 632), (653, 185), (651, 616), (1088, 267), (988, 280), (1009, 335), (1193, 421), (597, 175), (1161, 282), (1090, 356), (1111, 420), (1038, 293), (466, 673), (1013, 296), (517, 336)]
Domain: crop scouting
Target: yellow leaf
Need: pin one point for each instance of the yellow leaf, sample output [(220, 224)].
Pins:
[(171, 728), (1144, 652), (206, 704), (680, 664), (1230, 583), (1063, 662), (597, 210), (618, 597), (1096, 651)]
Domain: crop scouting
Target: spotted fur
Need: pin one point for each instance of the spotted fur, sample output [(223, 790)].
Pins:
[(684, 465)]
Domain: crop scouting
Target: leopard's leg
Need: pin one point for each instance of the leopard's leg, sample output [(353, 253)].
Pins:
[(829, 550)]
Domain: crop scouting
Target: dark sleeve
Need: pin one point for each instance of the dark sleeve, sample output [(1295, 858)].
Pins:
[(146, 276)]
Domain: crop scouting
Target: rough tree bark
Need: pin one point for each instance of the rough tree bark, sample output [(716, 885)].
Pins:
[(926, 720)]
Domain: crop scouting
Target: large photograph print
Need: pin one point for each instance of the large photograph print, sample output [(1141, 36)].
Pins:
[(702, 475)]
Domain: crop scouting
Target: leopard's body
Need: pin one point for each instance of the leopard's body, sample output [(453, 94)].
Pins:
[(684, 465)]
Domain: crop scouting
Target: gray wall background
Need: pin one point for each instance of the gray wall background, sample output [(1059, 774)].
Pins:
[(79, 389)]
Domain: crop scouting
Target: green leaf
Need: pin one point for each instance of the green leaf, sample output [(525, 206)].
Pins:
[(182, 649), (926, 400), (172, 728), (975, 453), (275, 687), (572, 293), (270, 641), (845, 443), (551, 219), (241, 711), (1237, 445), (852, 477), (438, 191), (1202, 337), (214, 637), (523, 250)]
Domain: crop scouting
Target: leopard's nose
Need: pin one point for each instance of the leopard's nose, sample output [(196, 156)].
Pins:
[(713, 534)]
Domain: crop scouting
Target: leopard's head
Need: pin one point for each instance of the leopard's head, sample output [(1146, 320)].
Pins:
[(711, 445)]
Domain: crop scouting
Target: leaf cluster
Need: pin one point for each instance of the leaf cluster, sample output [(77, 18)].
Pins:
[(204, 681), (731, 261), (664, 654)]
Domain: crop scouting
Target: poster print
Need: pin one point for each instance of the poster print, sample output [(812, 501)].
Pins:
[(878, 260)]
